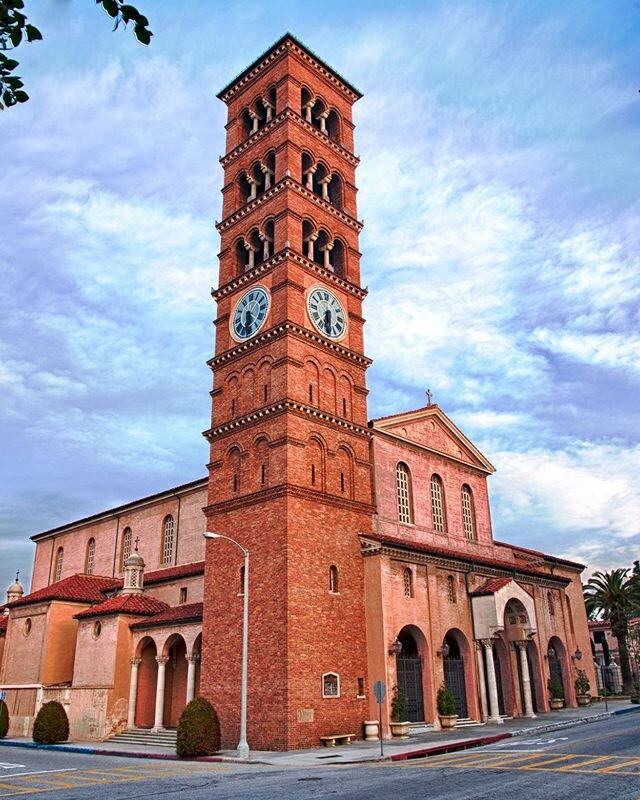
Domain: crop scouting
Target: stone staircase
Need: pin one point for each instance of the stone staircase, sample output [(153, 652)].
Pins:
[(136, 737)]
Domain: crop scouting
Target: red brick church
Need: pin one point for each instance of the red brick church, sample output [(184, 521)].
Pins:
[(372, 552)]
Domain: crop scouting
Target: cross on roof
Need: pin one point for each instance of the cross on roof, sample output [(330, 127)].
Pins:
[(17, 575), (429, 396), (137, 539)]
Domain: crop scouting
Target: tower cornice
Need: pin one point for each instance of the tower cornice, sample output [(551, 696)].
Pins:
[(292, 329), (287, 44), (288, 114), (287, 253), (289, 490), (287, 183)]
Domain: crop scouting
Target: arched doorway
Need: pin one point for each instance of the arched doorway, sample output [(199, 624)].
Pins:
[(147, 678), (175, 687), (555, 652), (454, 674), (409, 675)]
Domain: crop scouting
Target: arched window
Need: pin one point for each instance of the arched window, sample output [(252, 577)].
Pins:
[(408, 582), (126, 546), (333, 579), (468, 513), (551, 605), (90, 557), (451, 589), (167, 540), (58, 570), (437, 504), (403, 493)]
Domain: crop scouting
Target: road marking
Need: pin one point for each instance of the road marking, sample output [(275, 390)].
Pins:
[(41, 772), (9, 765)]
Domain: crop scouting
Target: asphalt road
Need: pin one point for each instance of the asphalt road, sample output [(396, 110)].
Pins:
[(601, 760)]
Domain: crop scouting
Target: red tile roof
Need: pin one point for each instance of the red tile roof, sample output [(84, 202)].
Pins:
[(138, 604), (516, 548), (481, 561), (164, 575), (3, 623), (190, 612), (490, 586), (74, 589)]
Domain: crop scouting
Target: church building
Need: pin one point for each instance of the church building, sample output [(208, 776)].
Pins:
[(371, 546)]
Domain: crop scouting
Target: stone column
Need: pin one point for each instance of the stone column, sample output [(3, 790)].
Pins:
[(324, 184), (251, 250), (269, 109), (310, 242), (255, 120), (254, 188), (266, 245), (162, 663), (327, 255), (267, 176), (133, 692), (494, 710), (322, 119), (307, 110), (481, 681), (309, 177), (192, 661), (526, 679)]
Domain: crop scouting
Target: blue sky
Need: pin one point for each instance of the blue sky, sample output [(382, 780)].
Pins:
[(499, 188)]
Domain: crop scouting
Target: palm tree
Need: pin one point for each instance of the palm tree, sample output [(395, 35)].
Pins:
[(614, 595)]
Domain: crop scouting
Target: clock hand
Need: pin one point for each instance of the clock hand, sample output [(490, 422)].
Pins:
[(327, 319)]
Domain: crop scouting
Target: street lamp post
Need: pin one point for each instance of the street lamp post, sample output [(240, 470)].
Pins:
[(243, 747)]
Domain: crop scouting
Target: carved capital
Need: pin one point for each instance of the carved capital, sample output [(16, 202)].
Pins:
[(488, 643), (195, 659), (521, 644), (162, 660), (135, 662)]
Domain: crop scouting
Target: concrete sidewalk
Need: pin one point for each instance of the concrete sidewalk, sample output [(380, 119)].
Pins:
[(417, 746)]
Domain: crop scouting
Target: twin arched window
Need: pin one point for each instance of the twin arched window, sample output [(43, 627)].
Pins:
[(167, 540), (90, 557), (403, 494), (468, 513)]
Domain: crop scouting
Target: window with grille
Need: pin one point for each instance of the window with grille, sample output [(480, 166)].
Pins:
[(330, 685), (91, 554), (403, 491), (333, 579), (167, 541), (408, 583), (468, 516), (437, 504), (59, 558), (126, 545), (451, 589)]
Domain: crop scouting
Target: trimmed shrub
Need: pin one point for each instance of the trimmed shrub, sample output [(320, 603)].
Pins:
[(399, 705), (198, 730), (51, 725), (4, 719), (446, 702)]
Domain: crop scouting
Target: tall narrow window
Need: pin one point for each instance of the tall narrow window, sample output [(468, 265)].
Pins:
[(311, 393), (167, 540), (126, 546), (58, 570), (313, 474), (451, 589), (342, 482), (183, 594), (263, 474), (333, 579), (408, 583), (403, 493), (468, 515), (437, 504), (90, 558), (236, 483)]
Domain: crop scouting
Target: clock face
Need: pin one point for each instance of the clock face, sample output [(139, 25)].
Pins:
[(327, 313), (250, 313)]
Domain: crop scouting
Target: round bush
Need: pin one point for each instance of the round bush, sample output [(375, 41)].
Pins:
[(198, 730), (51, 725), (4, 719)]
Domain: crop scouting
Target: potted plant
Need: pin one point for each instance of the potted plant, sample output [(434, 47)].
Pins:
[(582, 688), (556, 693), (446, 707), (399, 709)]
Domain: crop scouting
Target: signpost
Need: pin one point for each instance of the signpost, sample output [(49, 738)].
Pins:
[(380, 691)]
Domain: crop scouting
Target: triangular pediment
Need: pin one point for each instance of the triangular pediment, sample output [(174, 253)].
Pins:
[(431, 428)]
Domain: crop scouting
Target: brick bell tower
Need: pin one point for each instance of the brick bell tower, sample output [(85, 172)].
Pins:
[(290, 473)]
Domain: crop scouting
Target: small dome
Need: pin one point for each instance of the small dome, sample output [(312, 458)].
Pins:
[(134, 560), (16, 588)]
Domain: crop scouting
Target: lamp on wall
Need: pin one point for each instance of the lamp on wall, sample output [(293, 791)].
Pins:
[(396, 648), (444, 649), (577, 656)]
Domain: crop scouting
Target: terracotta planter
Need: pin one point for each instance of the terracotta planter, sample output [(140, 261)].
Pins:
[(448, 721), (400, 730), (556, 703), (371, 730), (583, 699)]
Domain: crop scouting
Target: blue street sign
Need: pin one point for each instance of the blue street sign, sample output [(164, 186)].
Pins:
[(380, 691)]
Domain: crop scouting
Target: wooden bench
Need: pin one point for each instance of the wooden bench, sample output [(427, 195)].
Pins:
[(337, 738)]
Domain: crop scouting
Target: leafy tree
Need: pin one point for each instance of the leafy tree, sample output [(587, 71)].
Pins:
[(614, 595), (4, 719), (15, 29)]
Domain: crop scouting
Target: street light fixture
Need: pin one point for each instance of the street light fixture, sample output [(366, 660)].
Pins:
[(243, 747)]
